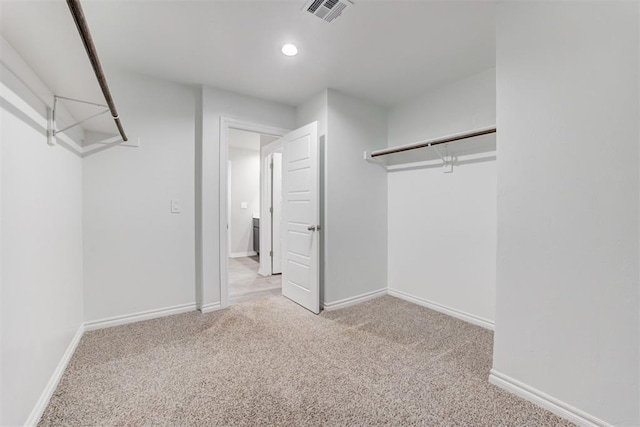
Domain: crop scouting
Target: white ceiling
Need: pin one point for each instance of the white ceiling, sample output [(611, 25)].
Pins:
[(244, 139), (384, 51)]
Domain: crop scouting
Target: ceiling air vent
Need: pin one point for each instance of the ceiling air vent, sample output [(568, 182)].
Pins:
[(327, 10)]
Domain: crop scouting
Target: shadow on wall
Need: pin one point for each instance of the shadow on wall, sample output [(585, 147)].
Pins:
[(20, 115)]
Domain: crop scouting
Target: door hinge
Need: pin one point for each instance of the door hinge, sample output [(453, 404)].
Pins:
[(271, 164), (271, 210), (270, 253)]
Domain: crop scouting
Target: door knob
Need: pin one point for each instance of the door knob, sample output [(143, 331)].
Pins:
[(311, 228)]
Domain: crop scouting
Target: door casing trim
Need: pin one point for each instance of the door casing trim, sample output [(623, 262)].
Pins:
[(227, 123)]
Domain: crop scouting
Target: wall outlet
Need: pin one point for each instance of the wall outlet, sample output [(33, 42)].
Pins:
[(175, 206)]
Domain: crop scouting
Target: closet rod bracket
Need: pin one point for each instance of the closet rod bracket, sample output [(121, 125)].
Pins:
[(447, 160), (367, 157), (51, 117), (51, 125)]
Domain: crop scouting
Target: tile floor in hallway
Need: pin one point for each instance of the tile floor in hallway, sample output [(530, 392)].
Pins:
[(245, 284)]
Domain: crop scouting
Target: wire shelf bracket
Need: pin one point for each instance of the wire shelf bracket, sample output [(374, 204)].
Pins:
[(447, 160), (51, 117)]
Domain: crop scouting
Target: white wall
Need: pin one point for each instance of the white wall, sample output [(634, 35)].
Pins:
[(138, 255), (568, 185), (355, 222), (245, 187), (215, 103), (314, 109), (249, 140), (442, 227), (267, 139), (41, 247), (353, 200)]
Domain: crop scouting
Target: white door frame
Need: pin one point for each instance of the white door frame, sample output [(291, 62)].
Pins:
[(227, 123), (276, 216), (265, 202), (229, 175)]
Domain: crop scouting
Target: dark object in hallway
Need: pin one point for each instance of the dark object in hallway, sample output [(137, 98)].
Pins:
[(256, 235)]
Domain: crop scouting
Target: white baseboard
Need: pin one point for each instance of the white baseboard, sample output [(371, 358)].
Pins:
[(353, 300), (43, 401), (51, 386), (545, 401), (243, 254), (467, 317), (138, 317), (208, 308)]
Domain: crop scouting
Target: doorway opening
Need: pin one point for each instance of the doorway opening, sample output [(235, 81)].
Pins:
[(297, 229), (254, 194)]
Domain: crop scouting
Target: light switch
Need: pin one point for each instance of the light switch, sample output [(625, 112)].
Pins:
[(175, 206), (243, 205)]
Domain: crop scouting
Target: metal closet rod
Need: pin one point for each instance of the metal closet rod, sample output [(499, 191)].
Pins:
[(87, 40), (436, 141)]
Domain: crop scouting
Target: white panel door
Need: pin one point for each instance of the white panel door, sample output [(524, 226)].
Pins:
[(300, 217), (276, 201)]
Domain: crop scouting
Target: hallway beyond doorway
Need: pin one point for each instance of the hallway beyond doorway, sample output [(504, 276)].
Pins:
[(245, 284)]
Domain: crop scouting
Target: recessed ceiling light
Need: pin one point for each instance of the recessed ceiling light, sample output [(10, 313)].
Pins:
[(290, 49)]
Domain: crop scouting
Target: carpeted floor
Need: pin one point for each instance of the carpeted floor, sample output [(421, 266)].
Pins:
[(270, 362)]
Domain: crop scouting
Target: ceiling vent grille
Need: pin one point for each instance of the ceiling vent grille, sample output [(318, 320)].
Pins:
[(328, 10)]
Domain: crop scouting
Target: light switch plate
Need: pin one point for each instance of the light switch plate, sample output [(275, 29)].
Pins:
[(175, 206), (244, 205)]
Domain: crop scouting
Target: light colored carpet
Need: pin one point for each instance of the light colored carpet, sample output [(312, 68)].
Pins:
[(271, 362)]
